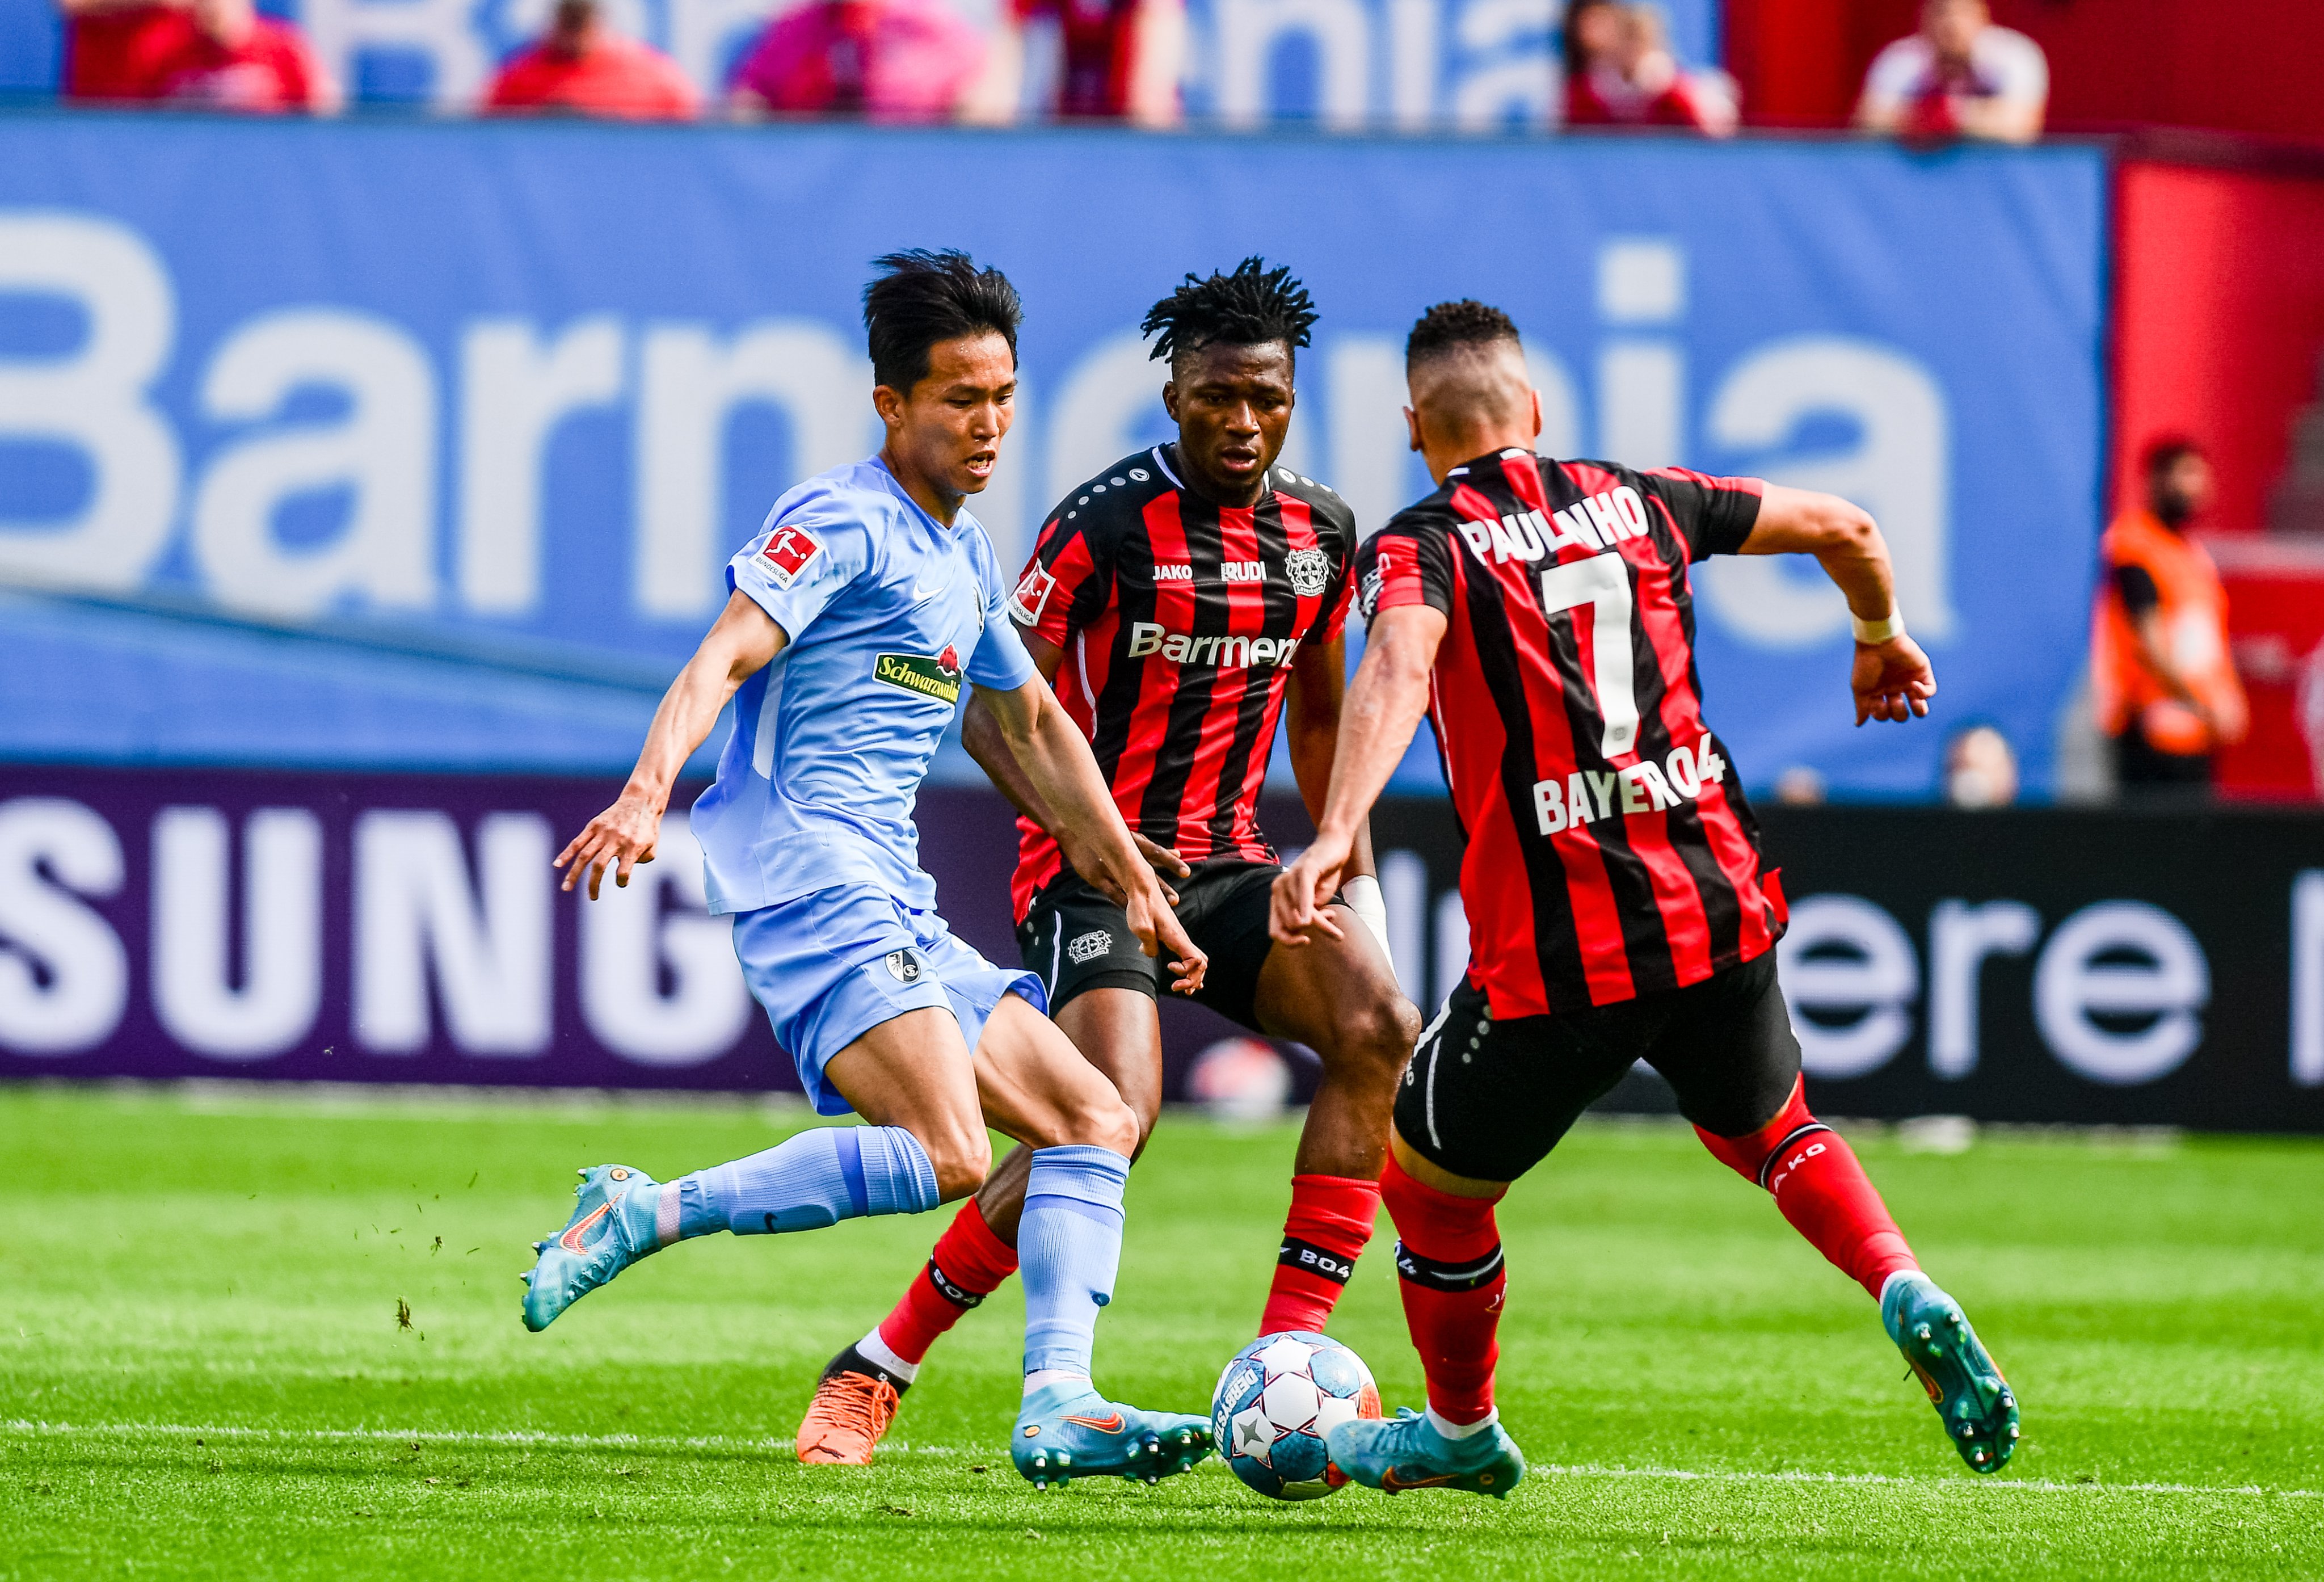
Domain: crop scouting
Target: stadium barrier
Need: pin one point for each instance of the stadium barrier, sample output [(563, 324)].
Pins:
[(1408, 64), (2005, 966)]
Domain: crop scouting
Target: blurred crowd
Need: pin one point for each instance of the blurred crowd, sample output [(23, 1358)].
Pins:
[(1959, 75)]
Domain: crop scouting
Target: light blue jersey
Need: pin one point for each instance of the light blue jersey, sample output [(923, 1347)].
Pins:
[(887, 612)]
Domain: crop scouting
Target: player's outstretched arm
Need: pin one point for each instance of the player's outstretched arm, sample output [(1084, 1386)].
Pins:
[(1383, 708), (741, 642), (1891, 677), (1063, 774), (980, 735), (1311, 727)]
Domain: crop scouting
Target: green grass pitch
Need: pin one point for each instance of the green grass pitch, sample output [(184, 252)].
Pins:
[(202, 1369)]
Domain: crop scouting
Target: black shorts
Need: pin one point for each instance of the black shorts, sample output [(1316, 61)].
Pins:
[(1489, 1099), (1076, 940)]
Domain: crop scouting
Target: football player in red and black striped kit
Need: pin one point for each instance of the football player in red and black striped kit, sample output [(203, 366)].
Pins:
[(1539, 612), (1181, 603)]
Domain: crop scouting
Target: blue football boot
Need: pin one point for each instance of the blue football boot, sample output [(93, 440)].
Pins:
[(1067, 1432), (1405, 1452), (1979, 1407), (612, 1227)]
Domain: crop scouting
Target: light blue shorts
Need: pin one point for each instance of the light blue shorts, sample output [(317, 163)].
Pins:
[(832, 965)]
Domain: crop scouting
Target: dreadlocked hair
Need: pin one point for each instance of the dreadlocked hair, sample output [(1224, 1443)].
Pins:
[(1250, 307)]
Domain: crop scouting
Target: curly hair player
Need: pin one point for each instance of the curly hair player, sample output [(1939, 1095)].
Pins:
[(1538, 610), (1183, 601)]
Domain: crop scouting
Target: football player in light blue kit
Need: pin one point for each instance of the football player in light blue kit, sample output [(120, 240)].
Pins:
[(854, 619)]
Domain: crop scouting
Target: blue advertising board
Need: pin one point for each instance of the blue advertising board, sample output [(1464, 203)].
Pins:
[(497, 400)]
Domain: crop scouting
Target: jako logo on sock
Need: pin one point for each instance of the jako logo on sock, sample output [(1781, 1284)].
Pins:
[(1805, 1154)]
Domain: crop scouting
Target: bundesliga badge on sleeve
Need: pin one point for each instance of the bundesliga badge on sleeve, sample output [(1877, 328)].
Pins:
[(790, 551)]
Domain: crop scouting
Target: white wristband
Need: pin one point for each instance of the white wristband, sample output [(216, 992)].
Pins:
[(1882, 631), (1362, 895)]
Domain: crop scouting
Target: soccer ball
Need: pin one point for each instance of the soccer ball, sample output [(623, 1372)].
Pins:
[(1277, 1398)]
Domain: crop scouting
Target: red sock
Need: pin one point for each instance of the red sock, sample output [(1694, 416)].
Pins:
[(968, 1264), (1448, 1258), (1822, 1189), (1330, 1220)]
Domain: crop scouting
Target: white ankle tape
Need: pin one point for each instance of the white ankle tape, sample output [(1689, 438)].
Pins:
[(1461, 1430), (875, 1349)]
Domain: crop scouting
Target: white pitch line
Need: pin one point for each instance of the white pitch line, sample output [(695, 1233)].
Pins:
[(2040, 1486), (519, 1439)]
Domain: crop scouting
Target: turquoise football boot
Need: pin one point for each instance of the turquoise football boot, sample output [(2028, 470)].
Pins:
[(1979, 1407), (1064, 1432), (1405, 1452), (612, 1227)]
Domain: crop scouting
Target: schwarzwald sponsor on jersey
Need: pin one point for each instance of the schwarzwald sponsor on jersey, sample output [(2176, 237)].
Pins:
[(937, 676)]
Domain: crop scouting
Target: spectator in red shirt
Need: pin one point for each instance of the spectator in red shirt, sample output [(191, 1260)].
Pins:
[(222, 55), (1119, 59), (1592, 30), (581, 67), (1958, 76), (112, 47), (890, 60), (1632, 80)]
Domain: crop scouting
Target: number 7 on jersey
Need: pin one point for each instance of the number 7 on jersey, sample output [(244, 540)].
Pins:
[(1603, 583)]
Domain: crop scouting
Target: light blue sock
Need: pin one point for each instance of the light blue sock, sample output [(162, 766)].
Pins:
[(815, 1179), (1068, 1249)]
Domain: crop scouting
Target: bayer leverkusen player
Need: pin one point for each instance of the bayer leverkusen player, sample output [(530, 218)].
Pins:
[(1618, 909), (1183, 601)]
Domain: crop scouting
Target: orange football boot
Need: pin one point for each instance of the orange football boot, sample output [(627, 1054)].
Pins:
[(847, 1417)]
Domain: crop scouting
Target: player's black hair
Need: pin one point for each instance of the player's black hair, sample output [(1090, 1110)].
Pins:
[(921, 297), (1450, 325), (2166, 451), (1250, 307)]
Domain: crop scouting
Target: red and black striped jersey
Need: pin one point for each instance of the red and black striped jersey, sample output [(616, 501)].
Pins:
[(1179, 621), (1609, 850)]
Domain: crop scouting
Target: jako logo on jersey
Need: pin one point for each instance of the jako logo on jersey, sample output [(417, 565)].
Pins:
[(1597, 523), (1149, 637), (1032, 595), (790, 551), (1168, 571), (1588, 795), (1309, 570), (937, 677)]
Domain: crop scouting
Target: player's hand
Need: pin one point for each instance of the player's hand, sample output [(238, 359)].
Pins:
[(1159, 933), (1300, 902), (1163, 861), (1092, 865), (622, 836), (2229, 718), (1890, 679)]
